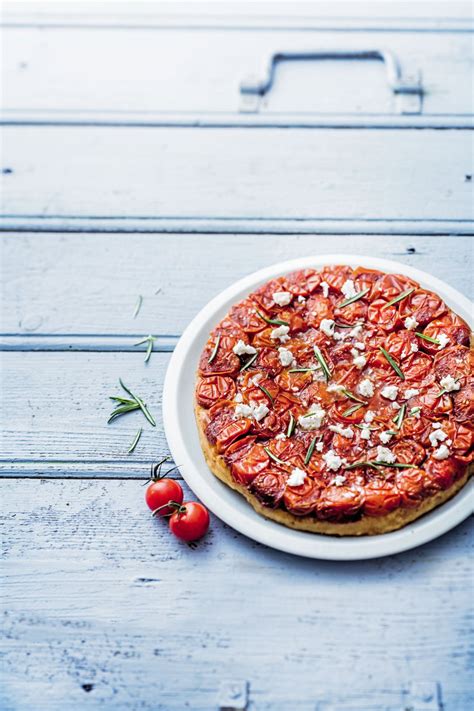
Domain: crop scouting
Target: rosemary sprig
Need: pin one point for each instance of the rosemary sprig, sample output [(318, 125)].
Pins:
[(251, 360), (275, 458), (301, 370), (392, 362), (215, 349), (291, 426), (396, 465), (361, 464), (265, 391), (134, 404), (398, 298), (310, 451), (351, 410), (138, 306), (356, 297), (414, 410), (273, 321), (348, 325), (400, 415), (443, 391), (149, 340), (366, 427), (322, 363), (351, 396), (427, 338), (135, 440)]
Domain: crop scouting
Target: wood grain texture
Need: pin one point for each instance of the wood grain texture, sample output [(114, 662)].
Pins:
[(109, 611), (79, 291), (229, 174)]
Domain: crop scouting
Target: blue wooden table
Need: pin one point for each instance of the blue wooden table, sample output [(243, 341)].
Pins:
[(105, 202)]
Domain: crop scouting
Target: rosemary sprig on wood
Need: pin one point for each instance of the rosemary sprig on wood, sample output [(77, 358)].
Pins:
[(149, 340), (138, 306), (392, 362), (136, 439), (134, 403)]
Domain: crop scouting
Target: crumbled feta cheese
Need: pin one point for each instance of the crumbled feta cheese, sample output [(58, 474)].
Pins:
[(365, 434), (436, 436), (281, 333), (359, 361), (327, 326), (411, 392), (410, 323), (339, 480), (389, 392), (325, 289), (436, 425), (335, 388), (256, 378), (441, 453), (282, 298), (258, 412), (449, 383), (301, 300), (333, 461), (281, 436), (343, 431), (359, 345), (369, 416), (449, 442), (285, 356), (414, 347), (296, 477), (415, 412), (385, 437), (385, 455), (365, 388), (238, 397), (348, 289), (443, 340), (355, 332), (242, 348), (313, 419), (338, 336), (319, 446), (396, 406)]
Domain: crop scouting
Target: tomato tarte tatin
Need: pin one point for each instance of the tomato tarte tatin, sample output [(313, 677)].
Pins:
[(339, 401)]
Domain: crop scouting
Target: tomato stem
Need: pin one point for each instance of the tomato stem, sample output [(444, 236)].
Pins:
[(170, 505)]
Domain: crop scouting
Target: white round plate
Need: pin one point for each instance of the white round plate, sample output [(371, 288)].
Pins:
[(228, 505)]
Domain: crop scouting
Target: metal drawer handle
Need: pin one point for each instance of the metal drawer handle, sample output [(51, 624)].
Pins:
[(408, 89)]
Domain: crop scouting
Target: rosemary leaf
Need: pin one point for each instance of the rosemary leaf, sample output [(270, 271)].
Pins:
[(135, 440), (275, 459), (400, 415), (398, 298), (122, 411), (301, 370), (149, 340), (396, 465), (351, 396), (351, 410), (273, 321), (146, 412), (138, 306), (251, 360), (392, 362), (322, 363), (291, 426), (443, 391), (356, 297), (265, 391), (310, 451), (427, 338), (215, 349)]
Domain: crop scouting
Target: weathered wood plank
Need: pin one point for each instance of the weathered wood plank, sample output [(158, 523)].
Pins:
[(102, 607), (182, 73), (254, 174), (79, 291)]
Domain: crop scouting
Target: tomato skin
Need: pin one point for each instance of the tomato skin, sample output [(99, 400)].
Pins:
[(191, 524), (160, 492)]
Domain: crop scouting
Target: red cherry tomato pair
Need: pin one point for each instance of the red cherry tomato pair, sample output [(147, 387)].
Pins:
[(188, 521)]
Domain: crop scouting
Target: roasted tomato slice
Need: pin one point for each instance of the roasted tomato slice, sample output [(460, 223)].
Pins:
[(264, 296), (389, 286), (381, 497), (245, 315), (302, 500), (340, 503), (269, 487), (463, 401), (317, 308), (223, 362), (401, 344), (422, 305), (455, 361), (383, 316), (352, 313), (223, 429), (410, 484), (463, 440), (301, 283), (365, 278), (336, 276), (417, 366), (409, 452), (440, 475), (252, 462), (215, 387), (268, 361), (450, 326)]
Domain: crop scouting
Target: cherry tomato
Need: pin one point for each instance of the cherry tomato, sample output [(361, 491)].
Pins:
[(190, 521), (160, 493)]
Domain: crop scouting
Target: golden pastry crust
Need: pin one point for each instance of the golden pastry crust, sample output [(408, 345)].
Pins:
[(365, 526), (383, 369)]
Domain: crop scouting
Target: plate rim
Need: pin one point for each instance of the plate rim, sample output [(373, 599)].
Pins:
[(249, 522)]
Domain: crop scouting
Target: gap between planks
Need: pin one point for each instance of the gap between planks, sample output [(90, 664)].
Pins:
[(98, 343)]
